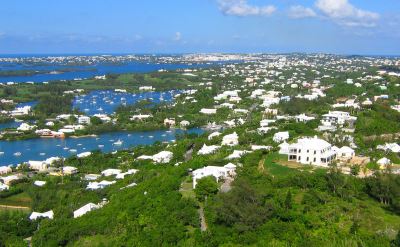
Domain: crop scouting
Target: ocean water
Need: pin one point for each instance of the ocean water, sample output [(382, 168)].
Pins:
[(90, 71), (107, 101), (15, 152)]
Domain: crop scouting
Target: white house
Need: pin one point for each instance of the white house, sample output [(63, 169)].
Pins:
[(163, 157), (281, 136), (99, 185), (170, 122), (39, 183), (216, 171), (392, 147), (38, 165), (123, 174), (84, 155), (384, 162), (303, 118), (88, 207), (110, 172), (312, 151), (208, 149), (36, 215), (214, 134), (84, 120), (337, 118), (146, 88), (230, 140), (237, 154), (284, 148), (5, 170), (26, 127), (208, 111), (260, 147), (140, 117), (4, 187), (184, 123), (11, 178), (69, 170), (345, 152)]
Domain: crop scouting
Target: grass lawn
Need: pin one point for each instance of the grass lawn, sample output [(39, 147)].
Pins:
[(273, 166), (21, 199), (187, 189)]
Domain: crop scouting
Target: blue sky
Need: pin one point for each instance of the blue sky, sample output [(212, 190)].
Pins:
[(179, 26)]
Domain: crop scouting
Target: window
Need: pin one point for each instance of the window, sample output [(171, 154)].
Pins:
[(308, 159), (315, 159), (299, 158), (315, 152), (308, 151)]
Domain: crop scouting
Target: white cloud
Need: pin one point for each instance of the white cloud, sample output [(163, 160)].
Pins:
[(299, 11), (344, 13), (243, 8), (178, 36)]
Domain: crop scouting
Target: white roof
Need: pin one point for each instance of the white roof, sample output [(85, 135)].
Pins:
[(36, 215), (39, 183), (85, 209), (312, 143)]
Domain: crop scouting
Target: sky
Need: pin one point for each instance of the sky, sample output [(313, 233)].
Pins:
[(364, 27)]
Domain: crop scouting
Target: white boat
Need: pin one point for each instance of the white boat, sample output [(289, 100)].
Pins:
[(1, 153), (17, 154), (42, 154), (118, 143), (101, 146), (73, 150)]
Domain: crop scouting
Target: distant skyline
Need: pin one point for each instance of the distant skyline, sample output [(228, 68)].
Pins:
[(365, 27)]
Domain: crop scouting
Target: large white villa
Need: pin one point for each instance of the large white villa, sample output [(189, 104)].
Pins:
[(313, 151)]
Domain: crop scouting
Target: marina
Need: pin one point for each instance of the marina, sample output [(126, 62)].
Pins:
[(15, 152)]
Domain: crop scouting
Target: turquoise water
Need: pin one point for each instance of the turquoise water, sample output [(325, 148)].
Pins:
[(43, 148)]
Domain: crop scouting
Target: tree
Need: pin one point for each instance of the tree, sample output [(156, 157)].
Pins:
[(355, 170), (10, 91), (242, 208), (205, 187)]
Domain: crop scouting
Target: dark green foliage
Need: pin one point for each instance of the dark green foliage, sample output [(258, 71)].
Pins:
[(205, 188), (50, 105), (242, 208)]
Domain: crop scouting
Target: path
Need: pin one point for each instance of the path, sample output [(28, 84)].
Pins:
[(203, 224), (14, 207)]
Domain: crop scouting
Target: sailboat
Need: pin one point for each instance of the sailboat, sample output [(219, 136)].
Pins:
[(118, 143)]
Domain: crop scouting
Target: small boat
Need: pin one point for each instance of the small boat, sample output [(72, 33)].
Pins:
[(1, 153), (42, 154), (73, 150), (65, 148), (17, 154), (151, 136), (101, 146), (118, 143)]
